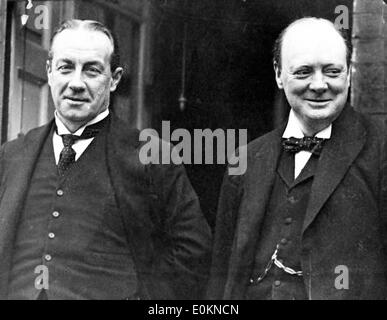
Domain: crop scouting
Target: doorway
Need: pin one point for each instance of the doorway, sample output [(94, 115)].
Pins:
[(218, 54)]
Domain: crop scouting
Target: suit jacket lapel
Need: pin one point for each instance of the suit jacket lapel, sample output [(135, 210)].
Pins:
[(128, 177), (262, 171), (339, 152), (286, 168), (13, 192)]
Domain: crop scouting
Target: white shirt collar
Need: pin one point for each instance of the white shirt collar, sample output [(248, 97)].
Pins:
[(63, 130), (293, 129)]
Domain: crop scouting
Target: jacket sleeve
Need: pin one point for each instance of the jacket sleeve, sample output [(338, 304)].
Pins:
[(1, 163), (184, 237), (383, 190)]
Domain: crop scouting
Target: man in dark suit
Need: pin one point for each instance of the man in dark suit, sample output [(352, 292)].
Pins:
[(308, 218), (77, 203)]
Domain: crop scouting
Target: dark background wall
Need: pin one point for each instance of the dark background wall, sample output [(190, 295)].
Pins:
[(229, 81), (229, 74)]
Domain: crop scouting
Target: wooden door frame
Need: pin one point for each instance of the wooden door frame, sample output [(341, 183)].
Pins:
[(142, 17), (3, 69)]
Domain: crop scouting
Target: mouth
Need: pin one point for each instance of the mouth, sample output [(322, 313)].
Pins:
[(76, 99), (319, 101)]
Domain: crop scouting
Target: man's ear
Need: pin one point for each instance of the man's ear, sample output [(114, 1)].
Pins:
[(277, 72), (116, 77), (49, 70)]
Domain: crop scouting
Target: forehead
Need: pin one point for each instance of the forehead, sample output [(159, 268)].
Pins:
[(81, 44), (313, 43)]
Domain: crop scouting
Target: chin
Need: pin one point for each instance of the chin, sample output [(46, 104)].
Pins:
[(75, 116), (323, 117), (320, 115)]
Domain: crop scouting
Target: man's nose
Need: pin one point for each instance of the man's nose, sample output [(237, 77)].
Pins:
[(318, 82), (77, 82)]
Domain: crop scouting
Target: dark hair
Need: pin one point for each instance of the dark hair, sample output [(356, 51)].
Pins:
[(277, 49), (75, 24)]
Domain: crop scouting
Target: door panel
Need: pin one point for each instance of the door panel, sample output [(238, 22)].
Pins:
[(28, 81)]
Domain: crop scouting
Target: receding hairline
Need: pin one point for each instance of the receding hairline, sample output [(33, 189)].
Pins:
[(82, 25), (89, 25), (277, 59), (318, 22), (54, 40)]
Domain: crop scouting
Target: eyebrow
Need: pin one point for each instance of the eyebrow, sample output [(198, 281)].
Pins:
[(292, 69), (64, 61), (88, 63), (336, 65), (94, 62), (301, 66)]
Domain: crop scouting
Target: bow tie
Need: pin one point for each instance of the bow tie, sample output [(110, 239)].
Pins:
[(312, 144)]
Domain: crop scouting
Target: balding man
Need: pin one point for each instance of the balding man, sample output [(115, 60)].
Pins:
[(81, 217), (308, 218)]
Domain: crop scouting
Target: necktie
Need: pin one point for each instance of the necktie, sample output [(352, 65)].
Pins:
[(312, 144), (67, 155)]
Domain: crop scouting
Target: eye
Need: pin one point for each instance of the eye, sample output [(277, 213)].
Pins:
[(92, 71), (333, 72), (303, 73), (65, 68)]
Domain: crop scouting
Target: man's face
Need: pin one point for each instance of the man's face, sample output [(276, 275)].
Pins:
[(314, 73), (80, 77)]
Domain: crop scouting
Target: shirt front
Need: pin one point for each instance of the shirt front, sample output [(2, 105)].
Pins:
[(293, 129), (79, 146)]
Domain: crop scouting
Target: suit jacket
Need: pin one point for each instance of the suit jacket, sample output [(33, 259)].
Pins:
[(169, 236), (345, 222)]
